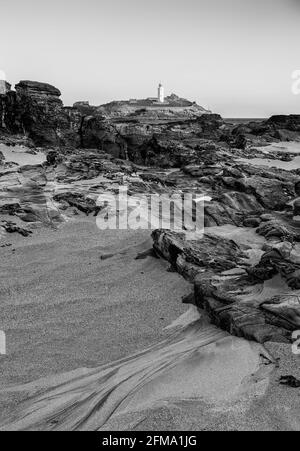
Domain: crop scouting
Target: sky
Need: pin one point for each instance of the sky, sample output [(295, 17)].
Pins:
[(234, 56)]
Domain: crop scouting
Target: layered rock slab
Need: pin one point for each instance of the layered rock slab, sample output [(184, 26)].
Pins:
[(259, 302)]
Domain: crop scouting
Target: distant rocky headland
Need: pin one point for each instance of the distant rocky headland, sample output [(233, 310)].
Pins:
[(171, 106)]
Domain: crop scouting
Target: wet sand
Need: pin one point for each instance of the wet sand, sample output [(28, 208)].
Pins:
[(287, 165), (77, 297), (197, 361), (196, 378), (284, 147), (21, 155)]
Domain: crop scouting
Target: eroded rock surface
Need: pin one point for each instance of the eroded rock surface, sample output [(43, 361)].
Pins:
[(259, 302)]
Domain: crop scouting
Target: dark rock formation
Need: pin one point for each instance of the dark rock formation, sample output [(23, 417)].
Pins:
[(11, 227), (38, 111), (37, 89), (297, 207), (8, 113), (211, 252), (79, 201), (290, 123), (290, 381), (282, 128), (95, 133), (227, 288)]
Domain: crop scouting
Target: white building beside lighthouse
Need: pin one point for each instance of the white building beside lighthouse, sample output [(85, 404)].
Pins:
[(161, 93)]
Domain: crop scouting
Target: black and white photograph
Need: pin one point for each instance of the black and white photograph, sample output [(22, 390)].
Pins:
[(149, 219)]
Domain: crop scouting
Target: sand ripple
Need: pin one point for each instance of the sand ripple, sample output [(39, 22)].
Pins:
[(196, 361)]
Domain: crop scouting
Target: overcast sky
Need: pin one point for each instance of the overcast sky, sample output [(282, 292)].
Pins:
[(235, 56)]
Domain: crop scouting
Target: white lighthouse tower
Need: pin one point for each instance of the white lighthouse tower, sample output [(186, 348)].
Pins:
[(161, 93)]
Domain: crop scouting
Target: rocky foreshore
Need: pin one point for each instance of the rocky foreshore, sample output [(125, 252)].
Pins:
[(246, 268)]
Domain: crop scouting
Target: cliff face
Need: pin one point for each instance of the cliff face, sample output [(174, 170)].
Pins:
[(36, 110), (33, 109), (39, 111)]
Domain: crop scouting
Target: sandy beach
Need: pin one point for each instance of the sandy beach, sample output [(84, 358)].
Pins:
[(76, 297), (76, 304)]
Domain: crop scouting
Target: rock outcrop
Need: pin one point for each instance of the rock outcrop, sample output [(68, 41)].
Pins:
[(35, 110), (237, 297), (281, 128), (39, 111)]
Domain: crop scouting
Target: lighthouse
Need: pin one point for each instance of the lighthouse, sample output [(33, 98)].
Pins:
[(161, 93)]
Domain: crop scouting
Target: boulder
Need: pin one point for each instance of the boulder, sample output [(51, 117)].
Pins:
[(39, 111), (233, 294), (252, 222)]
